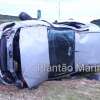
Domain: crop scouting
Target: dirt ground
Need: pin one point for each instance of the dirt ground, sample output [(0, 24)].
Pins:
[(80, 89)]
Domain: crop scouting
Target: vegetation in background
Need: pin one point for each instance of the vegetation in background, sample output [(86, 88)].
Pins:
[(96, 21), (7, 18)]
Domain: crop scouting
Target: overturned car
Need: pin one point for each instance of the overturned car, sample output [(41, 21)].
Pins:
[(34, 51)]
